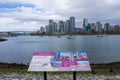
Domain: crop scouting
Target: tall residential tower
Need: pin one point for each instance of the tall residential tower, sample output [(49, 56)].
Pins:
[(85, 23), (72, 24)]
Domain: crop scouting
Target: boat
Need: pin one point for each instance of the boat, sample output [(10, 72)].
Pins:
[(99, 35), (70, 37), (58, 36)]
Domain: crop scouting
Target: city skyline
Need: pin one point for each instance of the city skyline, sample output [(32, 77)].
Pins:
[(29, 15), (68, 27)]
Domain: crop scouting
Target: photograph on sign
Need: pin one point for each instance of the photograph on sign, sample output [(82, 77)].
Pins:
[(59, 61)]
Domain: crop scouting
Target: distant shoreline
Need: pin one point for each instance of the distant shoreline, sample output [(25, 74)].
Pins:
[(58, 35), (82, 33), (73, 34)]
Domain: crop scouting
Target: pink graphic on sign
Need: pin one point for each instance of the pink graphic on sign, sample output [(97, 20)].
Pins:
[(74, 63), (44, 53), (65, 64), (60, 61)]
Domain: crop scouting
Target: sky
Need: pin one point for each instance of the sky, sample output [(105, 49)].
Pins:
[(30, 15)]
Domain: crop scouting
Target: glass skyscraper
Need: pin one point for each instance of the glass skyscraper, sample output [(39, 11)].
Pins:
[(72, 24)]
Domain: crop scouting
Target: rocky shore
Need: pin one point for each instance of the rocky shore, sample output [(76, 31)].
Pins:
[(2, 39), (13, 71), (109, 66), (16, 76)]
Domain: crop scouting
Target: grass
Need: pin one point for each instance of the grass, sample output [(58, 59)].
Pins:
[(96, 72)]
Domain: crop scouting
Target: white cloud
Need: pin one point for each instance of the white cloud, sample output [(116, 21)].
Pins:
[(6, 21), (31, 18)]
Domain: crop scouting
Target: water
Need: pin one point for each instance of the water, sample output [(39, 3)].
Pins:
[(100, 49)]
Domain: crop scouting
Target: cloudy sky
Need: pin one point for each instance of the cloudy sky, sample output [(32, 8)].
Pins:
[(29, 15)]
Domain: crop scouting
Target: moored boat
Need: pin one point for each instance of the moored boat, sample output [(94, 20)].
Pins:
[(70, 37), (99, 35)]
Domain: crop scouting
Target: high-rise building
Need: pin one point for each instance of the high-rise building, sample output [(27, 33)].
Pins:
[(50, 21), (67, 26), (47, 29), (64, 27), (42, 29), (106, 27), (72, 24), (85, 23), (88, 27), (61, 26), (93, 27), (55, 27), (52, 27), (116, 28), (98, 27)]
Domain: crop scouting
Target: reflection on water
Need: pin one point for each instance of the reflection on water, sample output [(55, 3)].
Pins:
[(100, 49)]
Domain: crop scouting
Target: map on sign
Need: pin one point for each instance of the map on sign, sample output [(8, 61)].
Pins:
[(59, 61)]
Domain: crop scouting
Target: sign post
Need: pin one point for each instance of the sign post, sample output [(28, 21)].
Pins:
[(74, 75), (59, 61), (45, 75)]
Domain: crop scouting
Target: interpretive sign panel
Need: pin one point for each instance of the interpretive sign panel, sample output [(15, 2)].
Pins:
[(59, 61)]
